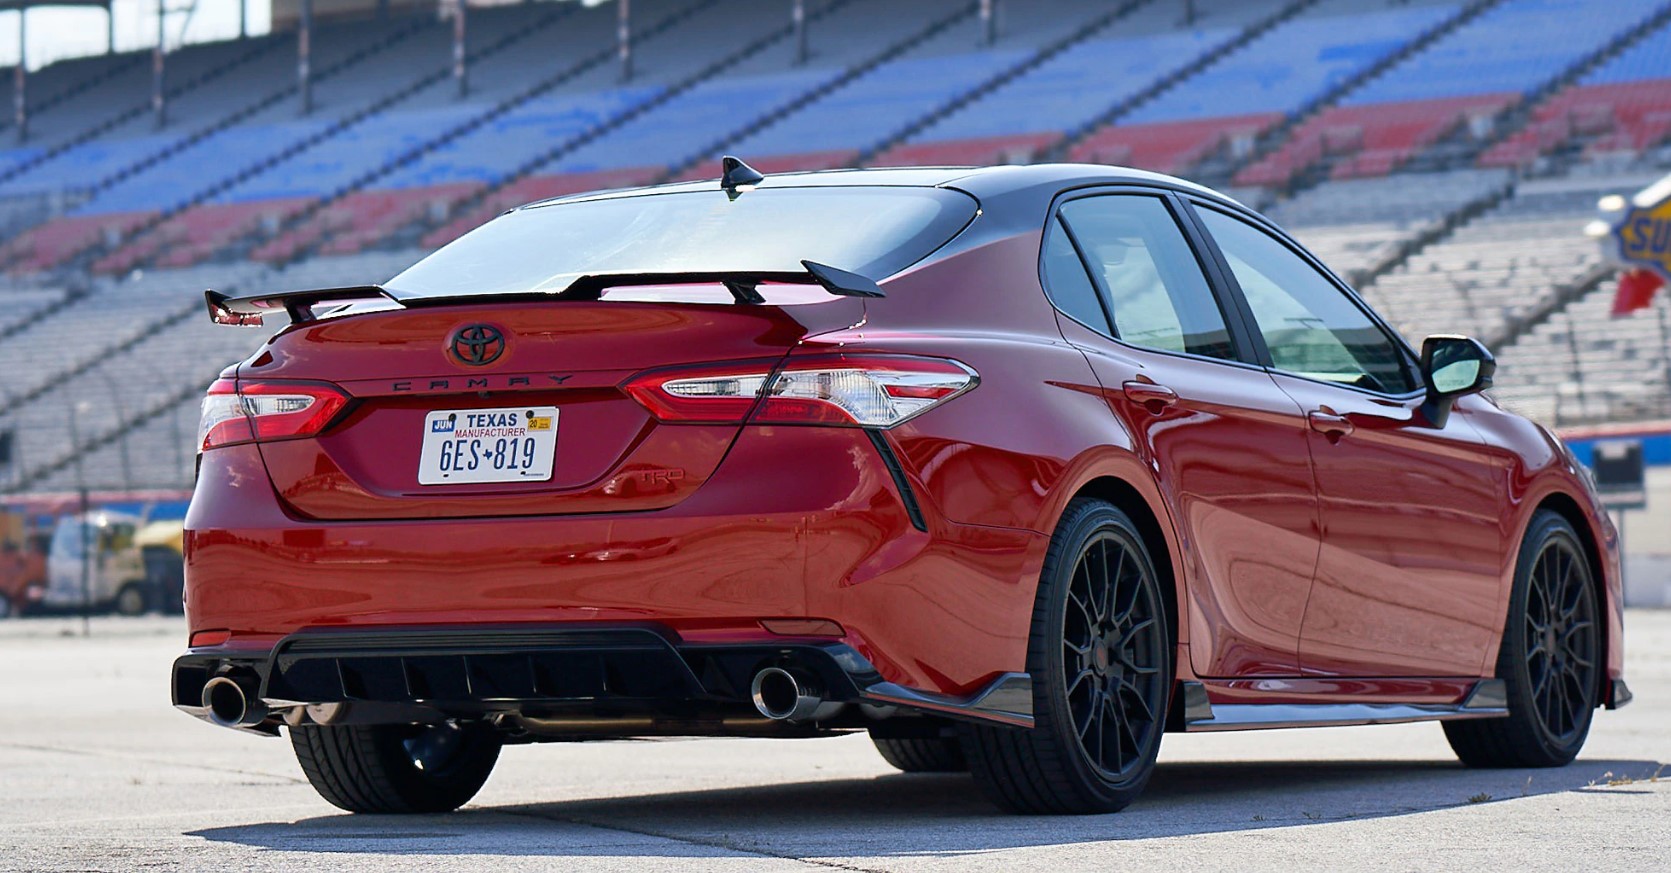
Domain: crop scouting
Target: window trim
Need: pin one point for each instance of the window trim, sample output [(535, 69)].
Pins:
[(1257, 338), (1057, 224), (1242, 343)]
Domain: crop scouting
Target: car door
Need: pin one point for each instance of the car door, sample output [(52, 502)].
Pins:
[(1408, 579), (1228, 446)]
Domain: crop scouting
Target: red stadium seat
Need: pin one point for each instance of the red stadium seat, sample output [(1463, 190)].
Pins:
[(50, 244), (1019, 149), (1370, 140), (1623, 117), (1169, 147)]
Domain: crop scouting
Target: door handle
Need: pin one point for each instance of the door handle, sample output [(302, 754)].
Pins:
[(1329, 424), (1155, 397)]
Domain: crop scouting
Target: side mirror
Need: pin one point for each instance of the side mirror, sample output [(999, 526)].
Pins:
[(1453, 366)]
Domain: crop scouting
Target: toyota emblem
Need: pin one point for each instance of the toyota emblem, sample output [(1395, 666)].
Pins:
[(478, 344)]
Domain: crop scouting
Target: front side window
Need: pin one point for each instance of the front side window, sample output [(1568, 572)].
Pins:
[(1148, 274), (1312, 328)]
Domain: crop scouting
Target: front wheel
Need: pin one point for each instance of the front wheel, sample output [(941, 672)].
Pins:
[(1100, 658), (396, 768), (1549, 660)]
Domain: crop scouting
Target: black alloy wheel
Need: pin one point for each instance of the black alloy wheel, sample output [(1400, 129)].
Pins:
[(1112, 650), (1560, 640), (1549, 660), (1100, 657)]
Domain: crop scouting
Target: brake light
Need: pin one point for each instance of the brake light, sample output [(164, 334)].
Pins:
[(849, 390), (236, 413)]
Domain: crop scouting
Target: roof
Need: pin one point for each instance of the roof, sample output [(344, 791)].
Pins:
[(977, 180)]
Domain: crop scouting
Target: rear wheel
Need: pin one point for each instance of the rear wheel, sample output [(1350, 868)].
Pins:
[(396, 768), (1100, 658), (1549, 658), (923, 755)]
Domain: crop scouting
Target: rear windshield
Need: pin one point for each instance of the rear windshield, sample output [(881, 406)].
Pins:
[(874, 231)]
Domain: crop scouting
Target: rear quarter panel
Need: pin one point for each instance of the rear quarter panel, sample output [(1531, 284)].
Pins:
[(1013, 452)]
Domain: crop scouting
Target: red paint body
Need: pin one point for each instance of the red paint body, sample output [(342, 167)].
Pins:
[(1306, 569)]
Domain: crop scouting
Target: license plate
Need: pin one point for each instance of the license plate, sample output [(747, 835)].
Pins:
[(511, 444)]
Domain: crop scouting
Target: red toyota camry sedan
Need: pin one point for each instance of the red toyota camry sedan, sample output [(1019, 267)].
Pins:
[(1016, 469)]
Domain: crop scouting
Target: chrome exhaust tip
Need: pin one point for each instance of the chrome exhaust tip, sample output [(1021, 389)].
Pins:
[(782, 695), (230, 704)]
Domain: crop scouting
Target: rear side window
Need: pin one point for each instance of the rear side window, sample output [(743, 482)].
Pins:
[(1069, 285), (1148, 274), (874, 231)]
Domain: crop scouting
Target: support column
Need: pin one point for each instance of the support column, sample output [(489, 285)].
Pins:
[(798, 17), (20, 77), (159, 103), (304, 59), (243, 19), (461, 71), (623, 36), (1189, 11), (989, 22)]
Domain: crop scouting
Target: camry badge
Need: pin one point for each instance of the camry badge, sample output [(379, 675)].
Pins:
[(477, 345)]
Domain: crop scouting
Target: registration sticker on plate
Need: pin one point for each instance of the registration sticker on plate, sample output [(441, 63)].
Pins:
[(512, 444)]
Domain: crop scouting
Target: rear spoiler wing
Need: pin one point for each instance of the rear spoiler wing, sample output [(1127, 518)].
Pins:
[(298, 305)]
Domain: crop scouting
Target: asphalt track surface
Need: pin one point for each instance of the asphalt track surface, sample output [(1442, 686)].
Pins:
[(97, 772)]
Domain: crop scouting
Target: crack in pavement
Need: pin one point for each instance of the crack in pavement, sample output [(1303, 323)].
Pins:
[(144, 759), (728, 845)]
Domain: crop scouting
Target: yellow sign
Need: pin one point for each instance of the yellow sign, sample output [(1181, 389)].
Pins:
[(1643, 236), (539, 422)]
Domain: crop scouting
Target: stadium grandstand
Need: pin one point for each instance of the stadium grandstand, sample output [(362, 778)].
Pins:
[(1444, 155)]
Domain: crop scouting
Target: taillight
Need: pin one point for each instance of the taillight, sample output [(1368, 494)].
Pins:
[(247, 412), (706, 395), (850, 390)]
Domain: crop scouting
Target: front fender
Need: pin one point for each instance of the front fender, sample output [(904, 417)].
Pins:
[(1540, 470)]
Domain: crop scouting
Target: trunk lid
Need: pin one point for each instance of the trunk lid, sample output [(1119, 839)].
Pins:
[(611, 455)]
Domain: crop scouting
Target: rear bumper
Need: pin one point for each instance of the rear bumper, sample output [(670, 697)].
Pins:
[(616, 679), (796, 523)]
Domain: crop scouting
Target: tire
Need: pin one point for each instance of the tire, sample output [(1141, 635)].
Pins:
[(132, 599), (375, 769), (1549, 659), (1106, 678), (923, 755)]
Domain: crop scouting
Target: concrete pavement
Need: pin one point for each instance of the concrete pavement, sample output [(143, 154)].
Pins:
[(97, 772)]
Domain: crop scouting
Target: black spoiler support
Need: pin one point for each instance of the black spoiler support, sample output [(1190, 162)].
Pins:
[(298, 305)]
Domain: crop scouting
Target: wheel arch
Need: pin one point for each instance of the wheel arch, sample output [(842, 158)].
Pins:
[(1571, 511), (1128, 499)]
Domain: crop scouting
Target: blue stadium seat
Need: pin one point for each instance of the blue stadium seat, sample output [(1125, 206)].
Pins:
[(1292, 63), (1511, 48), (1648, 59)]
